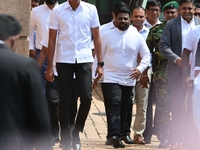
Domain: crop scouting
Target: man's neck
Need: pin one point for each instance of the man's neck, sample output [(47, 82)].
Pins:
[(51, 6), (74, 4), (139, 28), (152, 22)]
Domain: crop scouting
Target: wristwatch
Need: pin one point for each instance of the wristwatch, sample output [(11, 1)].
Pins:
[(100, 64)]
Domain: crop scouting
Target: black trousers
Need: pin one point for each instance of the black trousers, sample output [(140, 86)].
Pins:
[(52, 96), (117, 99), (83, 75)]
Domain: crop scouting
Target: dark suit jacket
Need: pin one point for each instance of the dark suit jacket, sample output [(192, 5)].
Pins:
[(171, 46), (24, 118)]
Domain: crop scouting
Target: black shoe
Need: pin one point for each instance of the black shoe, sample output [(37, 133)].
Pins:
[(55, 140), (116, 142), (127, 139), (147, 140), (108, 142), (76, 143)]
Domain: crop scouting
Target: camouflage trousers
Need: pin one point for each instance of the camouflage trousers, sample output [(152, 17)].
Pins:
[(163, 104)]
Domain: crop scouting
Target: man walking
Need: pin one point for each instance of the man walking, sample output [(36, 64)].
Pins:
[(73, 23)]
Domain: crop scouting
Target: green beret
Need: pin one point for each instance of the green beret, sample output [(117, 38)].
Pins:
[(170, 5)]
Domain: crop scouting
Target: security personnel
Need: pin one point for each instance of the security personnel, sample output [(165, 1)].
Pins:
[(159, 64)]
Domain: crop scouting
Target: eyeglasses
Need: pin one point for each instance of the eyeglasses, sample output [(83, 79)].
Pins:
[(154, 10)]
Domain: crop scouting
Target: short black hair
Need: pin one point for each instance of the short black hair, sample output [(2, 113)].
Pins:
[(118, 5), (9, 26), (153, 3), (122, 10), (186, 1), (197, 5)]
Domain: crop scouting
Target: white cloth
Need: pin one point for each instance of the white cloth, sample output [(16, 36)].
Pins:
[(196, 103), (2, 42), (148, 25), (191, 43), (74, 31), (39, 21), (120, 55), (185, 28)]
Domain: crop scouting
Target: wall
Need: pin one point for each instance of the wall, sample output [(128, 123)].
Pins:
[(21, 10)]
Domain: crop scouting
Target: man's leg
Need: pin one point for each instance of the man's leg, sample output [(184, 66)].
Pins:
[(52, 101), (65, 79)]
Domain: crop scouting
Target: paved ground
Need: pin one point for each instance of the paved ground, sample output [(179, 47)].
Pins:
[(94, 135)]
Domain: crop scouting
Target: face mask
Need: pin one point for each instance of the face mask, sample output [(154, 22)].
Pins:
[(51, 2)]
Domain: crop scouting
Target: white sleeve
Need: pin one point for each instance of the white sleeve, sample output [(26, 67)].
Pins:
[(145, 54), (54, 20), (189, 41)]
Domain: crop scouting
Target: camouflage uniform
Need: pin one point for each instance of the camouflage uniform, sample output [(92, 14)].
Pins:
[(159, 65)]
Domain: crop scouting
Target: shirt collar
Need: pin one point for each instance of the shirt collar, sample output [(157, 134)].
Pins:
[(146, 23), (184, 21), (47, 7), (69, 6), (144, 28), (112, 26)]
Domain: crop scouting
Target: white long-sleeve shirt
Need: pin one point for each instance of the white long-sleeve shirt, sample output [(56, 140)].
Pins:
[(120, 50)]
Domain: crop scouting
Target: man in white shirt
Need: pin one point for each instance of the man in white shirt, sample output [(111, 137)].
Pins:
[(152, 13), (73, 23), (121, 70), (39, 21), (171, 47), (140, 91)]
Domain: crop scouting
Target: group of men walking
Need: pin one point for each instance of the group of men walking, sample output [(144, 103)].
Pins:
[(139, 59)]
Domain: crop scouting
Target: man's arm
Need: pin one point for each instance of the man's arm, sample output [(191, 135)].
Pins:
[(165, 44), (32, 52), (98, 52), (50, 55), (185, 67), (42, 56)]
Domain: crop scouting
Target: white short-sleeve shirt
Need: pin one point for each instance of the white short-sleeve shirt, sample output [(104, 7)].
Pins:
[(74, 31), (192, 42)]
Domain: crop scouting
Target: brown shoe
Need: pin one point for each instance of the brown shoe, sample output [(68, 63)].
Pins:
[(138, 139)]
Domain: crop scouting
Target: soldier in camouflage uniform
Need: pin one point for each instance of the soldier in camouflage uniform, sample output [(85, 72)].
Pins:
[(159, 64)]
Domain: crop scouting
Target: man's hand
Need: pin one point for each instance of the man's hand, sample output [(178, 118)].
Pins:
[(32, 53), (98, 73), (179, 62), (50, 75), (135, 73), (144, 81)]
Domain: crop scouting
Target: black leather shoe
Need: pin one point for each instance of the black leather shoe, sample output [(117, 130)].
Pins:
[(108, 142), (127, 139), (76, 144), (116, 142)]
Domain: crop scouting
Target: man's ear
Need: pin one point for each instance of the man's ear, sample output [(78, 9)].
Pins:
[(114, 16)]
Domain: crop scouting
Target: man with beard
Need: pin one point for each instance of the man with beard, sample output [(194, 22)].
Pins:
[(39, 21), (73, 23), (121, 70)]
